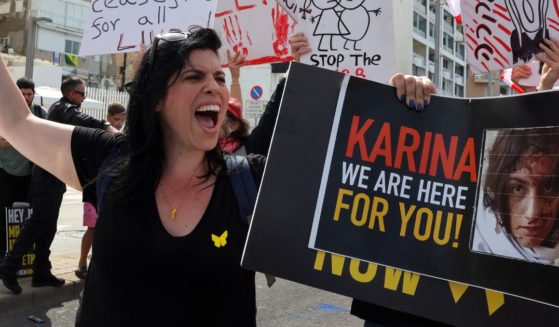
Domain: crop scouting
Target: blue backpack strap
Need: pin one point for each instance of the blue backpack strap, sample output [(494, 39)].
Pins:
[(243, 185), (104, 176)]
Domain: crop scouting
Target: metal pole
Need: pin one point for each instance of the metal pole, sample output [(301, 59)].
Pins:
[(438, 32), (123, 73), (489, 84), (30, 54), (31, 43)]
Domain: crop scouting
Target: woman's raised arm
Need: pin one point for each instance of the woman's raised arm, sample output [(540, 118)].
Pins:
[(45, 143)]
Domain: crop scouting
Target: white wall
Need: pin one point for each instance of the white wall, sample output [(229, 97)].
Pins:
[(42, 75), (403, 27)]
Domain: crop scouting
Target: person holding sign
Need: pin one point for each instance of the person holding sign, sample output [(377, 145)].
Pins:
[(169, 212), (46, 192), (550, 69), (15, 169)]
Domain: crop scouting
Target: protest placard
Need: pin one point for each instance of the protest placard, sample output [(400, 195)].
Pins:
[(355, 37), (121, 26), (257, 29), (429, 242), (410, 185), (503, 33), (14, 219)]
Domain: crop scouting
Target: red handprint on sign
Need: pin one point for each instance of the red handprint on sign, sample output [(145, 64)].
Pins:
[(234, 35), (281, 27)]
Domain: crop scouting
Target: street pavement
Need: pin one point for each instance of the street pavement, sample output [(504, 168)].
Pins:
[(286, 304)]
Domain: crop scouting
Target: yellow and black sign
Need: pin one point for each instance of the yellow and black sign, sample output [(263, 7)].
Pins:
[(15, 217), (385, 224)]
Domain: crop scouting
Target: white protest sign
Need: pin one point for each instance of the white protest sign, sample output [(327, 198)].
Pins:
[(351, 36), (121, 26), (258, 29), (505, 33)]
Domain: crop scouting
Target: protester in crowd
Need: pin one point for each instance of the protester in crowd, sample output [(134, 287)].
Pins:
[(520, 73), (116, 115), (235, 130), (376, 315), (550, 69), (47, 190), (155, 254), (15, 169), (520, 213), (541, 74), (234, 63)]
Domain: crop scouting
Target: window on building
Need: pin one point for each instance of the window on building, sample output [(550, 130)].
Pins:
[(421, 6), (431, 31), (459, 70), (448, 42), (419, 24), (448, 21), (460, 50), (418, 71), (459, 91), (72, 47)]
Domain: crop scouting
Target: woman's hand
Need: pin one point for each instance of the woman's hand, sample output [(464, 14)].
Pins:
[(413, 90), (550, 70), (235, 62), (299, 45), (519, 72)]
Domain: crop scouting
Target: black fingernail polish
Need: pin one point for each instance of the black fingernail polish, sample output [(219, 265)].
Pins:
[(419, 107), (425, 103), (412, 104), (403, 98)]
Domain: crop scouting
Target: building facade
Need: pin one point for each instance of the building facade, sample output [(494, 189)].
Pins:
[(58, 41), (415, 44)]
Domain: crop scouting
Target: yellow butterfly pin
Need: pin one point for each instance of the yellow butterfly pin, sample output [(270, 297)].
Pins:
[(220, 241)]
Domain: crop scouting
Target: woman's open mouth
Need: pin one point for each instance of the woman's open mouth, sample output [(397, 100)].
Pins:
[(207, 116)]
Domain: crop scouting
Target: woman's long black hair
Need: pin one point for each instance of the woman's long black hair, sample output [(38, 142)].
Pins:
[(140, 171)]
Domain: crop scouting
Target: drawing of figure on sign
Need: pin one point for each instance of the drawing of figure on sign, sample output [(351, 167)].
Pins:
[(530, 27), (328, 22), (504, 33), (355, 17)]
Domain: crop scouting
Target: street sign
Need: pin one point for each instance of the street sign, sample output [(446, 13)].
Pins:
[(256, 92)]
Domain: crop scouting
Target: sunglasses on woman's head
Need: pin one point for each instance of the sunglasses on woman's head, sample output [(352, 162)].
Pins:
[(171, 36)]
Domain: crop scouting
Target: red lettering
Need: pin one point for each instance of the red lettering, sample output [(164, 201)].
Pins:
[(402, 148), (467, 155), (378, 149), (440, 154), (121, 47), (357, 136), (240, 7), (425, 152), (360, 72), (435, 155)]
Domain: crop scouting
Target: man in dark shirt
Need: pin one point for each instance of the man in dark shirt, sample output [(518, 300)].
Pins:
[(46, 198), (15, 169)]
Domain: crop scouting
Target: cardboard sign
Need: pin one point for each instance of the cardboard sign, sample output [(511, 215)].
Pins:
[(258, 29), (121, 26), (14, 219), (278, 239), (355, 37), (410, 185), (504, 33)]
